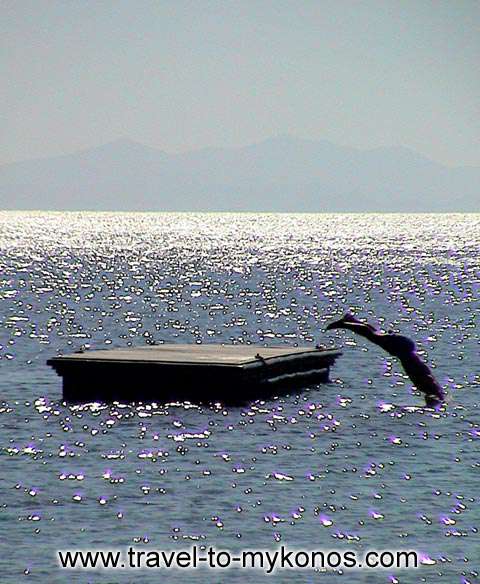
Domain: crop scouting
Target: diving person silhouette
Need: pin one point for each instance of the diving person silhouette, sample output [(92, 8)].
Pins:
[(401, 347)]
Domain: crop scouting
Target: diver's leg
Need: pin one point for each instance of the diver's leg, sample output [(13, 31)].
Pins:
[(348, 318)]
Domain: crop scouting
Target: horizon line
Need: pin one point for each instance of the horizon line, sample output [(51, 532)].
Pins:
[(151, 212)]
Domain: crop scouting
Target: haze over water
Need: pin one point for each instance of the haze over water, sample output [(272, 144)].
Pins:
[(350, 464)]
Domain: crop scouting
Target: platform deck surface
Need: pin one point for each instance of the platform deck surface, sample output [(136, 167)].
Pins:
[(233, 355)]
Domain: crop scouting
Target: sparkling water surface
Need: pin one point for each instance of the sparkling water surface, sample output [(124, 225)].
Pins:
[(353, 464)]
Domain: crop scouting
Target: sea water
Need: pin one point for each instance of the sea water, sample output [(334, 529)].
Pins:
[(353, 464)]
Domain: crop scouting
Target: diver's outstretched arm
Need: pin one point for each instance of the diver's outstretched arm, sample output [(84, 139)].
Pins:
[(423, 379)]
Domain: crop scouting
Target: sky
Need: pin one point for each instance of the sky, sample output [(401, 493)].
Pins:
[(182, 75)]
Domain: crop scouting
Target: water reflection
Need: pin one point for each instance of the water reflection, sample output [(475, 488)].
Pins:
[(354, 463)]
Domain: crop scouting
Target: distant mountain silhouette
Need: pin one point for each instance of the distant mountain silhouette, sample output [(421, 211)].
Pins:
[(278, 174)]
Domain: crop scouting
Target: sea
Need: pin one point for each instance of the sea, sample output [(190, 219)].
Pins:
[(354, 464)]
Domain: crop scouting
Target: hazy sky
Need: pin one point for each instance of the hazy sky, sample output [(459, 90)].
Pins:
[(188, 74)]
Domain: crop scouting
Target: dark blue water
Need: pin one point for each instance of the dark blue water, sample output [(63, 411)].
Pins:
[(352, 464)]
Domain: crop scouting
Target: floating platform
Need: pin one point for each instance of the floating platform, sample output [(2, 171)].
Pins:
[(195, 373)]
